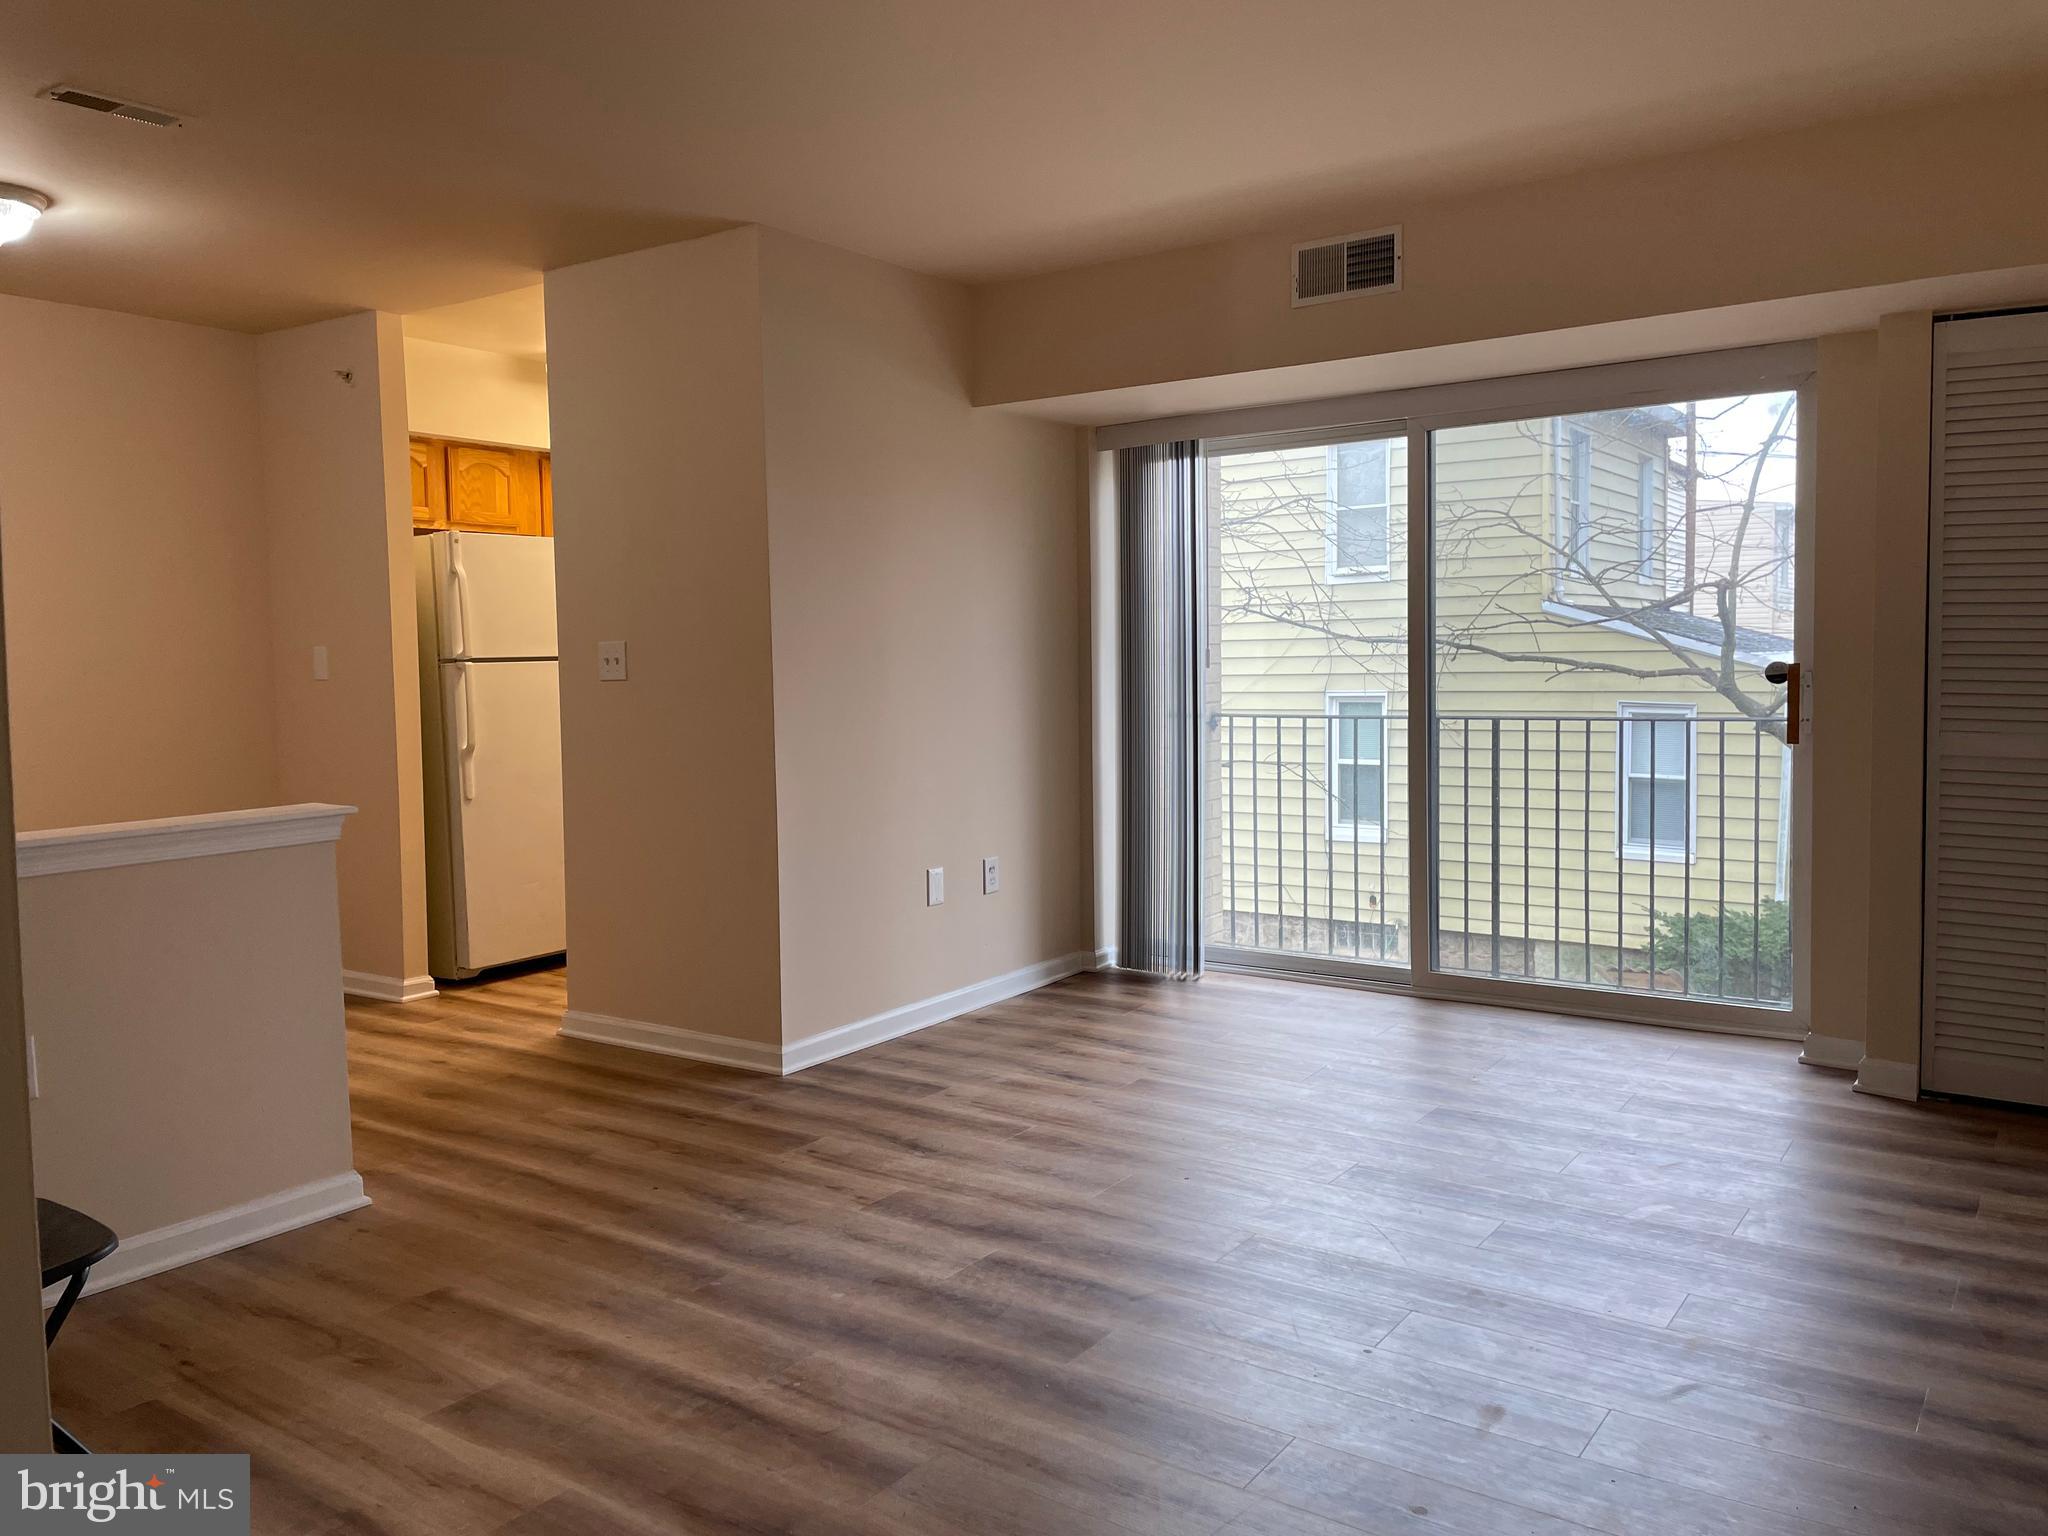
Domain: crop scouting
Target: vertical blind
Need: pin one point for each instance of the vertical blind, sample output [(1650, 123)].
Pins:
[(1160, 577)]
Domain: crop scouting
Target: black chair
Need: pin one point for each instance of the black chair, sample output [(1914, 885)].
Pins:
[(72, 1242)]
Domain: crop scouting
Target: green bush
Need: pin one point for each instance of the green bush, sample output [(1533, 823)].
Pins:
[(1758, 950)]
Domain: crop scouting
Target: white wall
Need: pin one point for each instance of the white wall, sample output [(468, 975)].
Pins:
[(669, 777), (1922, 193), (185, 513), (138, 604), (337, 504), (855, 617), (929, 646), (199, 1064), (476, 396)]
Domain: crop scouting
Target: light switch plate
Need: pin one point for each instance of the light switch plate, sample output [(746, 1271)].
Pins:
[(991, 876), (611, 661), (934, 886), (319, 663)]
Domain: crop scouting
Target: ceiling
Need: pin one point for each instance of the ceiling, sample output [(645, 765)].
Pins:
[(513, 323), (406, 156)]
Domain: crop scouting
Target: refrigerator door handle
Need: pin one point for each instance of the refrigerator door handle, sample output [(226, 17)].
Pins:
[(465, 749), (459, 579)]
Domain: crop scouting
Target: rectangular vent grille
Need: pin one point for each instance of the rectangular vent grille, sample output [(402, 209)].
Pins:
[(133, 111), (1347, 266)]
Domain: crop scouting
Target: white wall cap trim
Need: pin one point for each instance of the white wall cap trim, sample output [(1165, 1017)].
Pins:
[(61, 850)]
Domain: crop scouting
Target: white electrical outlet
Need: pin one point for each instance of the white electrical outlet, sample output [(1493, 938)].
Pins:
[(35, 1087), (991, 877), (611, 661), (934, 886)]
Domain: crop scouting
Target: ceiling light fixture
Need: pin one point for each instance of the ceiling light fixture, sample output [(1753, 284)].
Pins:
[(20, 207)]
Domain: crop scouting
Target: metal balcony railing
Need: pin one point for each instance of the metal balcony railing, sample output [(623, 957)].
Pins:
[(1643, 850)]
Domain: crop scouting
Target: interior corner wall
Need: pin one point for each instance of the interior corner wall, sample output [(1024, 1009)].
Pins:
[(336, 499), (475, 396), (138, 604), (930, 648), (661, 518), (1849, 714)]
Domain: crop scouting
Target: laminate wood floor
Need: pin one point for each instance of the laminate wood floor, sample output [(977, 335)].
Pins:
[(1119, 1256)]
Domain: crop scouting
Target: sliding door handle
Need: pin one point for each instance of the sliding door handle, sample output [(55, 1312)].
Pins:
[(1786, 674)]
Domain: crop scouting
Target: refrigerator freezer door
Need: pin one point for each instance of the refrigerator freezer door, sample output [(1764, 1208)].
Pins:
[(503, 723), (497, 595)]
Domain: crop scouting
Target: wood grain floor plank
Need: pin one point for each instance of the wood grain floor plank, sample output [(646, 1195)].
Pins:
[(1118, 1256), (1793, 1486)]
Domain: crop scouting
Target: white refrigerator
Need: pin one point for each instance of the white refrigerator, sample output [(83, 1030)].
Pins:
[(491, 727)]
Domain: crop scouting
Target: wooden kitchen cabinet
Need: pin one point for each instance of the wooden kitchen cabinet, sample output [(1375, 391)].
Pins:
[(429, 483), (493, 490), (481, 489)]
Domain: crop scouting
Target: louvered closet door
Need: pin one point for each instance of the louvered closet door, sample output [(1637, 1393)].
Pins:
[(1986, 1014)]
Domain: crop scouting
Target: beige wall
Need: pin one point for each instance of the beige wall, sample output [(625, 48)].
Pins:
[(1843, 559), (185, 513), (200, 1062), (1880, 200), (856, 636), (1898, 663), (929, 633), (669, 777), (477, 396), (137, 588), (24, 1374), (335, 494)]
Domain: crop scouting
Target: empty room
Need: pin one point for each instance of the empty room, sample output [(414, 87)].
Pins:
[(1042, 770)]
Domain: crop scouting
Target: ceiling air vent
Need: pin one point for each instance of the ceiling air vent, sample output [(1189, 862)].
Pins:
[(1346, 266), (134, 111)]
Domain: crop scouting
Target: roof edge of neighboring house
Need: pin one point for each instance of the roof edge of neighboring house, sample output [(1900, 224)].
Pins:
[(1753, 647)]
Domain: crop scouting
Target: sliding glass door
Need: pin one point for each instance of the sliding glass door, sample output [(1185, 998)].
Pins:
[(1611, 591), (1307, 691), (1585, 775)]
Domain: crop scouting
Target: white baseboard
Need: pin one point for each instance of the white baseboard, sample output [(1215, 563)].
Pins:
[(387, 989), (201, 1237), (1105, 958), (1889, 1079), (862, 1033), (1832, 1051), (754, 1056), (668, 1040)]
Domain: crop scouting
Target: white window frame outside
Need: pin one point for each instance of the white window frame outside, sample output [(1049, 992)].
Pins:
[(1650, 482), (1337, 829), (1784, 544), (1331, 569), (1664, 853), (1575, 499)]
